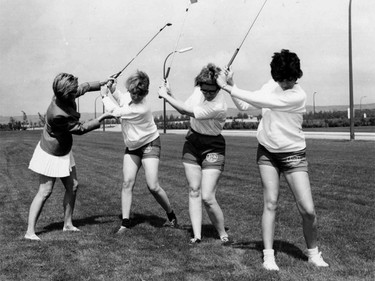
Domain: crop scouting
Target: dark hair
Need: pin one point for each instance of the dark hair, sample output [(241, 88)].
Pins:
[(63, 85), (138, 83), (285, 66), (208, 75)]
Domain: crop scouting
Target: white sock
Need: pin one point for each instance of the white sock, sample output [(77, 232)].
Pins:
[(312, 252), (268, 254)]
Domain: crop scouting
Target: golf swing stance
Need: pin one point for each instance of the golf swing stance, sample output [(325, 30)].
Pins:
[(142, 142), (204, 149), (281, 149)]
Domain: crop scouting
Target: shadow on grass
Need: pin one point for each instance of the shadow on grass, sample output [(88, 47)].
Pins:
[(93, 220), (152, 220), (208, 230), (278, 245)]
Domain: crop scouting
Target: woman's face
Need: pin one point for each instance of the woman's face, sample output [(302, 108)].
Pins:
[(209, 91)]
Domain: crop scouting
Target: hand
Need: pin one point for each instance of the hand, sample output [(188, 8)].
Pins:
[(229, 73), (111, 85), (106, 115), (164, 90), (104, 91), (102, 83), (221, 79)]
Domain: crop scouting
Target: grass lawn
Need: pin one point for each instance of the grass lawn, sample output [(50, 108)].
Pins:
[(342, 179)]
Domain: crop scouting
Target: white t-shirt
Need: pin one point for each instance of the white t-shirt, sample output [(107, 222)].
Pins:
[(280, 129), (209, 115), (137, 121)]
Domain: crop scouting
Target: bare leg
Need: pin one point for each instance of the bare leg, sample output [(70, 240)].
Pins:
[(270, 181), (132, 163), (71, 186), (151, 166), (194, 176), (45, 189), (210, 178), (299, 183)]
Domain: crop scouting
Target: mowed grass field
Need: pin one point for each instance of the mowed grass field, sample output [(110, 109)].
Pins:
[(342, 179)]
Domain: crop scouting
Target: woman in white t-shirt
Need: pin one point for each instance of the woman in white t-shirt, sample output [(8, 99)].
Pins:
[(281, 149), (142, 142), (204, 149)]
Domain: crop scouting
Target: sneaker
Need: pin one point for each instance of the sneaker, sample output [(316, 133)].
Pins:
[(226, 240), (194, 241), (317, 260), (121, 230), (270, 264), (171, 223)]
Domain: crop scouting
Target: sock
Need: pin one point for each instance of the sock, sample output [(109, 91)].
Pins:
[(312, 252), (268, 254), (126, 223), (171, 216)]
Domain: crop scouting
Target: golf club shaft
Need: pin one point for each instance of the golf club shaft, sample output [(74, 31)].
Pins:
[(119, 73), (248, 31)]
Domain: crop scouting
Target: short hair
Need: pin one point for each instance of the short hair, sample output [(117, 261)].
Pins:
[(208, 75), (285, 66), (63, 85), (138, 83)]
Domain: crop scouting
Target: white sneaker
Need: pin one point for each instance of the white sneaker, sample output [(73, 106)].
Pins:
[(121, 230), (270, 264), (317, 260)]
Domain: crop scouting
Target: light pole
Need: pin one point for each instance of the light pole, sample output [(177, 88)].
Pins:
[(351, 102), (314, 102), (360, 104), (165, 76), (95, 111)]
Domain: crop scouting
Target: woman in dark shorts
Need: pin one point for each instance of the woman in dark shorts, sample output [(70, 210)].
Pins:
[(281, 148), (142, 143), (204, 148)]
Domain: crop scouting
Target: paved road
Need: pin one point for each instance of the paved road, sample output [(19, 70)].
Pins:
[(309, 135)]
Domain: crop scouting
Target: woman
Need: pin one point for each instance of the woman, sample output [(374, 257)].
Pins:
[(142, 143), (204, 149), (281, 149), (53, 157)]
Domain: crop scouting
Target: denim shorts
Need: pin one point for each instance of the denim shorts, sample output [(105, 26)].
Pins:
[(150, 150), (286, 162), (204, 150)]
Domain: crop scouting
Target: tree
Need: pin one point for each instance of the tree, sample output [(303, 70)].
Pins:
[(25, 122), (42, 119)]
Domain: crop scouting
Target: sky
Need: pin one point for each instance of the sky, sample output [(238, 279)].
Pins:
[(94, 39)]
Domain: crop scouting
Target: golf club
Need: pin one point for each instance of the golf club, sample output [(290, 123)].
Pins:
[(238, 49), (119, 73)]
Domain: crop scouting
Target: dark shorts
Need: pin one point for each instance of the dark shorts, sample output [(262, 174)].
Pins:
[(286, 162), (150, 150), (203, 150)]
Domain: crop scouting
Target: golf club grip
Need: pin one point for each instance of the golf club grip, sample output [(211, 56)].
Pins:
[(116, 75), (233, 57), (166, 76)]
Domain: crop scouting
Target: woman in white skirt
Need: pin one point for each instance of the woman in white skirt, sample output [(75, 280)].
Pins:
[(53, 157)]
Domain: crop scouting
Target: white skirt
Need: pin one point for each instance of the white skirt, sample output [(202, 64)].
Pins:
[(50, 165)]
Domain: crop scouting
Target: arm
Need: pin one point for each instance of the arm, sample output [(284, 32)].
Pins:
[(91, 86), (76, 127), (266, 97), (289, 100), (181, 107), (116, 104)]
